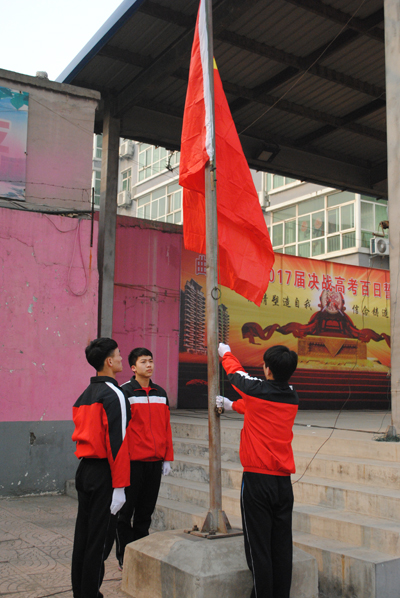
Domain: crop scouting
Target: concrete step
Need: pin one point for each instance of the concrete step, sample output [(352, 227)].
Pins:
[(358, 530), (199, 448), (338, 442), (346, 496), (343, 443), (195, 493), (348, 571), (372, 472), (172, 514), (196, 469)]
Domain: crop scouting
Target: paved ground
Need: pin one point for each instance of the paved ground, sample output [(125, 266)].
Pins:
[(36, 534)]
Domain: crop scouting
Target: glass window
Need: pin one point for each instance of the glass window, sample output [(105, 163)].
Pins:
[(333, 221), (170, 218), (174, 187), (99, 146), (154, 209), (380, 214), (278, 250), (304, 228), (177, 200), (347, 217), (365, 238), (161, 206), (96, 185), (304, 250), (338, 198), (318, 247), (311, 205), (333, 243), (144, 199), (140, 213), (318, 225), (126, 179), (158, 193), (290, 232), (284, 214), (178, 217), (278, 181), (291, 250), (348, 240), (147, 211), (367, 215), (277, 234)]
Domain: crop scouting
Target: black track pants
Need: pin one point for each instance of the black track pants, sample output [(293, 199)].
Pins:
[(94, 529), (267, 505), (134, 518)]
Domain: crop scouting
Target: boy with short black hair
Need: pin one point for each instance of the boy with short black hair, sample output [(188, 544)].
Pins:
[(150, 446), (101, 415), (269, 407)]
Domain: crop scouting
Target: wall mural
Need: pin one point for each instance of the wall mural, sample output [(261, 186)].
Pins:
[(13, 139)]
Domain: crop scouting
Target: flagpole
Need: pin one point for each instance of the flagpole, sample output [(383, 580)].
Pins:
[(216, 519)]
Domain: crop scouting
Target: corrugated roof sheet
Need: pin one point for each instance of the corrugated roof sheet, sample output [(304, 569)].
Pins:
[(307, 78)]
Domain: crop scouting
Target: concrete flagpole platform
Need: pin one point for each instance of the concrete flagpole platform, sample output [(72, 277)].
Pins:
[(174, 564)]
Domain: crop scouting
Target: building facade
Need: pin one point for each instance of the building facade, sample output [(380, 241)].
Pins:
[(303, 219)]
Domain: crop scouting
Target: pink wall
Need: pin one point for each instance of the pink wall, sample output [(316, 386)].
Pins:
[(48, 313), (146, 296)]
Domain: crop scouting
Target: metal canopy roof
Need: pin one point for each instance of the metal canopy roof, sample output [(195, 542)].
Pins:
[(305, 80)]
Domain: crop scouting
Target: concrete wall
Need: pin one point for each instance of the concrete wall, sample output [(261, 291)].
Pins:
[(60, 140), (146, 296), (48, 306)]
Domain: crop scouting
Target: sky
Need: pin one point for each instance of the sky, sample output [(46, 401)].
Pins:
[(45, 35)]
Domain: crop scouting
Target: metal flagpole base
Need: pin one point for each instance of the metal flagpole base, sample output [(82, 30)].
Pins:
[(209, 531)]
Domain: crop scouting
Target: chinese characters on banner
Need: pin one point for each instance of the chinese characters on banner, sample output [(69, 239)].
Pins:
[(13, 139), (335, 316)]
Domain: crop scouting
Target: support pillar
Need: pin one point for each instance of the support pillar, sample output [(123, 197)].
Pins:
[(108, 221), (392, 56)]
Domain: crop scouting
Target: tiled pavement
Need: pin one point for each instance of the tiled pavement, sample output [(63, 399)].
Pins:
[(36, 534)]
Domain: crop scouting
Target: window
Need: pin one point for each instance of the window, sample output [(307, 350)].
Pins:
[(153, 160), (96, 178), (163, 204), (372, 213), (126, 179), (316, 226), (276, 181), (98, 147)]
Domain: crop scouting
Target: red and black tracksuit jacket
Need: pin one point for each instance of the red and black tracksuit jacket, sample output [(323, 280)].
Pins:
[(149, 431), (101, 415), (269, 409)]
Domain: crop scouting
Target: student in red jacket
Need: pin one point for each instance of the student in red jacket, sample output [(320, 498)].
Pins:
[(100, 415), (269, 408), (150, 447)]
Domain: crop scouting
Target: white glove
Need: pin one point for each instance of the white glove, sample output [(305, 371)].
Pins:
[(222, 349), (118, 500), (224, 402), (166, 468)]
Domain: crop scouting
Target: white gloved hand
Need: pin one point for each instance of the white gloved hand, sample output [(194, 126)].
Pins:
[(224, 402), (118, 500), (222, 349), (166, 468)]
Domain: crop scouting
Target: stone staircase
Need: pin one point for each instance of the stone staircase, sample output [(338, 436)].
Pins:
[(347, 503)]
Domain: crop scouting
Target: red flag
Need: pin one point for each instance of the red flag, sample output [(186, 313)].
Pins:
[(244, 247)]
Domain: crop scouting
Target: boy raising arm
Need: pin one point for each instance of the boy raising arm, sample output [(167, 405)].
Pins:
[(269, 408)]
